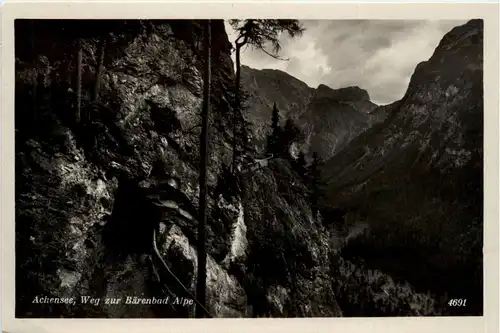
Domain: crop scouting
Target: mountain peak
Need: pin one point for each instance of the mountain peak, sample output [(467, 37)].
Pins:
[(432, 142), (318, 112), (324, 88), (461, 51), (353, 93)]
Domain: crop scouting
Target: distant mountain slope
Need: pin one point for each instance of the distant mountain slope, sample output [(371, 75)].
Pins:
[(329, 118), (330, 124), (416, 178)]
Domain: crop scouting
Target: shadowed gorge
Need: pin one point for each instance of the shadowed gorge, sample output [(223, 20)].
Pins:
[(416, 179)]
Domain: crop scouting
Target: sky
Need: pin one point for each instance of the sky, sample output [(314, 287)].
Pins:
[(376, 55)]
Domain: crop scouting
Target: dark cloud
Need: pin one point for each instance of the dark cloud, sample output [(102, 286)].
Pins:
[(377, 55)]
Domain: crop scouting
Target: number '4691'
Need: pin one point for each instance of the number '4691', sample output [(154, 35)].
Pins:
[(457, 302)]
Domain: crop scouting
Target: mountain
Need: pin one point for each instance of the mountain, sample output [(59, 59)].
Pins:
[(416, 179), (328, 118), (102, 202), (90, 194)]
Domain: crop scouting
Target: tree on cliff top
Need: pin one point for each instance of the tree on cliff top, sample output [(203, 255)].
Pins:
[(259, 34)]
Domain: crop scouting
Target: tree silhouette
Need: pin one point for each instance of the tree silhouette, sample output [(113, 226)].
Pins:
[(287, 137), (78, 80), (301, 164), (202, 254), (315, 183), (273, 138), (241, 135), (100, 61), (258, 33), (35, 70)]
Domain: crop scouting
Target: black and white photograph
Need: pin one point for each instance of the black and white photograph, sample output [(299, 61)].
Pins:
[(248, 168)]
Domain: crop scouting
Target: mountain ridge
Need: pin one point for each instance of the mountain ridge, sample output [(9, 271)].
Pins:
[(405, 181), (348, 110), (416, 177)]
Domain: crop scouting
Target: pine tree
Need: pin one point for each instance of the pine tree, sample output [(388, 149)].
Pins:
[(100, 61), (241, 135), (301, 164), (288, 136), (315, 183), (35, 71), (78, 81), (202, 254), (258, 33), (273, 138)]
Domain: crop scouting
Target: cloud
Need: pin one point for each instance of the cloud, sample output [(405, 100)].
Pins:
[(377, 55)]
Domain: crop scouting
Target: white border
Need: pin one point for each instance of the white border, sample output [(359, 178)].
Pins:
[(224, 9)]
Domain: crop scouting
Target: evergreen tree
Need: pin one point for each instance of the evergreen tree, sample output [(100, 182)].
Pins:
[(301, 164), (259, 34), (79, 56), (288, 136), (202, 253), (100, 61), (241, 137), (315, 183), (35, 70), (273, 138)]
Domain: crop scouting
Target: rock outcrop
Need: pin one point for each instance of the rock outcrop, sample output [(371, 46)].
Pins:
[(288, 265)]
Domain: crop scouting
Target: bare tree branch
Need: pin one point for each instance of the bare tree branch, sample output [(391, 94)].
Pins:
[(274, 56)]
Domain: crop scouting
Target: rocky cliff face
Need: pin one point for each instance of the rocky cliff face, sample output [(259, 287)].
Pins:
[(89, 194), (328, 118), (416, 178)]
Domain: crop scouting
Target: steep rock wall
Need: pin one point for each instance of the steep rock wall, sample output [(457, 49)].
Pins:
[(417, 178), (89, 194)]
